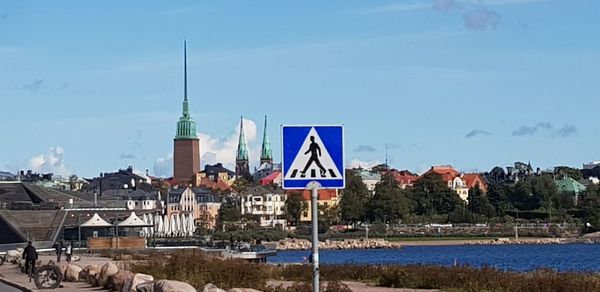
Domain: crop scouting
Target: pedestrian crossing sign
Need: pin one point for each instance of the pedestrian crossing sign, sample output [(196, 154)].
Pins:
[(313, 154)]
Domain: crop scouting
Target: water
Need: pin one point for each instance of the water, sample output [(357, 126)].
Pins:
[(560, 257)]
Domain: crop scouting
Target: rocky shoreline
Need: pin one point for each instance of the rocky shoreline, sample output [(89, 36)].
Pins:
[(303, 244), (380, 243)]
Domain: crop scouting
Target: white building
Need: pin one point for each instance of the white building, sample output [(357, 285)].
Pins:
[(146, 203), (266, 203)]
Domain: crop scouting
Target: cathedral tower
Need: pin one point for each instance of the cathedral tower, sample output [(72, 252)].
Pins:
[(186, 151), (266, 154), (242, 168)]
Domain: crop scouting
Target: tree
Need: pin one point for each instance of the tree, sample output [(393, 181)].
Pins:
[(294, 206), (590, 206), (479, 204), (498, 198), (353, 199), (573, 173), (389, 203), (240, 185), (543, 190), (432, 196), (230, 211)]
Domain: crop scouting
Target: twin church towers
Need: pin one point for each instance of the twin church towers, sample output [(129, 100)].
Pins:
[(186, 150)]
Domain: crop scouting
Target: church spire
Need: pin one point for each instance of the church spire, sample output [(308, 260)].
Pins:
[(242, 167), (242, 152), (186, 127), (266, 154)]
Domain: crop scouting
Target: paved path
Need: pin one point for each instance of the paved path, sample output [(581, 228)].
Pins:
[(12, 273)]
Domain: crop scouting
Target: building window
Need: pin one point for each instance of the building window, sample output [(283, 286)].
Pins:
[(305, 214)]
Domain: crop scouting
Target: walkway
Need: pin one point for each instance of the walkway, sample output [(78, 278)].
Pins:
[(12, 273)]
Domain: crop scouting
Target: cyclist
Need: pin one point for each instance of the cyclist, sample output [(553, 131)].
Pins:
[(30, 255)]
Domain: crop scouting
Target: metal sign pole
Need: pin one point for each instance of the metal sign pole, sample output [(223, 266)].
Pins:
[(314, 187)]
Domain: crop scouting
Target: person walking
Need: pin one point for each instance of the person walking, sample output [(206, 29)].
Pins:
[(59, 249), (69, 251), (315, 153), (30, 256)]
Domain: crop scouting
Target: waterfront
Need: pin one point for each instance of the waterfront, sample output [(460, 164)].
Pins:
[(527, 257)]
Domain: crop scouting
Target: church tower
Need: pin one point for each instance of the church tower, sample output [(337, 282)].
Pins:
[(186, 151), (242, 168), (266, 154)]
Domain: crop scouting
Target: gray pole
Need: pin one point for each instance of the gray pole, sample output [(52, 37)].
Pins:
[(315, 234)]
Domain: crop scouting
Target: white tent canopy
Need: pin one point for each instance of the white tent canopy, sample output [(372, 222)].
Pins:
[(133, 221), (96, 221)]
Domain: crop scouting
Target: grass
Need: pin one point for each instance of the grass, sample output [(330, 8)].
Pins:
[(199, 269)]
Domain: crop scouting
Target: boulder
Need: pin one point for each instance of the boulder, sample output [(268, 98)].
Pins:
[(137, 279), (172, 286), (211, 288), (72, 273), (243, 290), (62, 267), (145, 287), (117, 282), (106, 272), (13, 256), (90, 274)]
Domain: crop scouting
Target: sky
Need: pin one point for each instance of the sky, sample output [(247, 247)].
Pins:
[(94, 86)]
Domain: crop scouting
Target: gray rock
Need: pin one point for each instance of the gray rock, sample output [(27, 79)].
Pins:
[(172, 286), (211, 288), (72, 273), (135, 281), (106, 272), (118, 281)]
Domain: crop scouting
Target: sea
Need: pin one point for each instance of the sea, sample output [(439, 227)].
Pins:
[(522, 257)]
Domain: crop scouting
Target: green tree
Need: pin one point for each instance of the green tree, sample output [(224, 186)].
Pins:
[(294, 206), (573, 173), (590, 207), (520, 196), (543, 189), (498, 198), (389, 203), (353, 199), (240, 185), (479, 204), (431, 195)]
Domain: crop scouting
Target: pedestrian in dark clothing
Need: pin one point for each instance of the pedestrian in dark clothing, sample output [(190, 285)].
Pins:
[(58, 247), (69, 251), (30, 256)]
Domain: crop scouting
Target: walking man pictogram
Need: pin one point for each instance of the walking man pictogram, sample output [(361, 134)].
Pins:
[(315, 153)]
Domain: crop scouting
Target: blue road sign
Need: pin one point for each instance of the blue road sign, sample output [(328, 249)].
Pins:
[(313, 154)]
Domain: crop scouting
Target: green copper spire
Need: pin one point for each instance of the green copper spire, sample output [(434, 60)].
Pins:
[(186, 127), (242, 151), (266, 154)]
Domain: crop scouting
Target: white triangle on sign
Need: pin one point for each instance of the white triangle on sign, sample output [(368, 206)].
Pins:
[(310, 154)]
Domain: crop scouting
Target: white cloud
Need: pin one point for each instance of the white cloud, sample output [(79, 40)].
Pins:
[(218, 149), (223, 149), (356, 163), (53, 162), (163, 166)]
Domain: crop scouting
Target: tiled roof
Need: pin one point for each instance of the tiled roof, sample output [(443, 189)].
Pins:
[(269, 179), (447, 172), (214, 185), (217, 168), (261, 190), (472, 179), (324, 195)]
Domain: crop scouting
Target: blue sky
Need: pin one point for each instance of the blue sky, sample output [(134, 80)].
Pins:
[(88, 87)]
